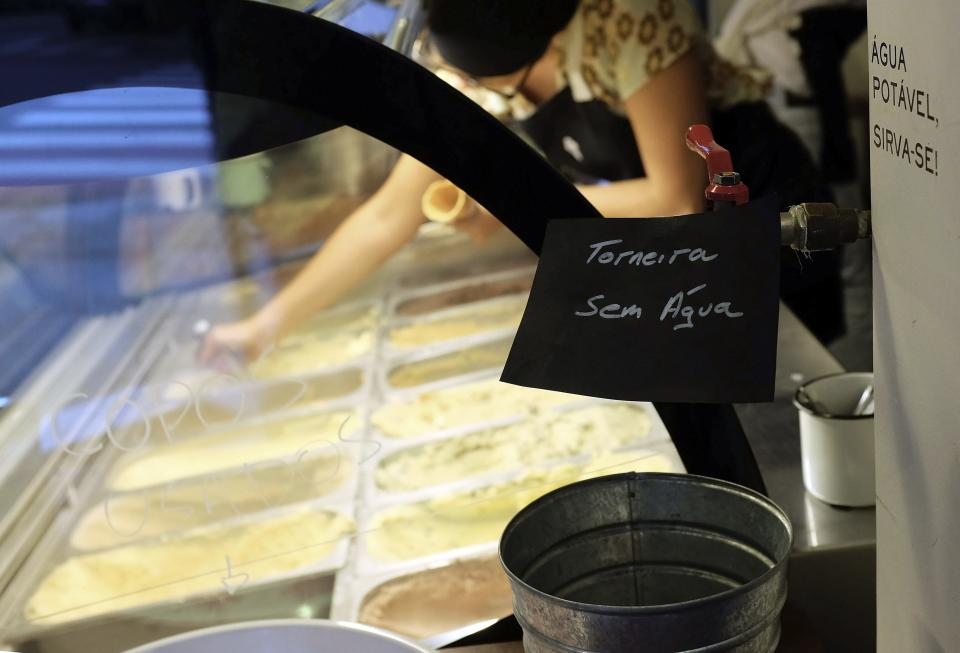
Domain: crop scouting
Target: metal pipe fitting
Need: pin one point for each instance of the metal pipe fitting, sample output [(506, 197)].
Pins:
[(817, 226)]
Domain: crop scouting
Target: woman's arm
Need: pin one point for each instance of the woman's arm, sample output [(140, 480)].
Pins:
[(660, 113), (367, 238)]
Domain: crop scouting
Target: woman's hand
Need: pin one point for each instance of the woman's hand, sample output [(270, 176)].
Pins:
[(242, 342), (367, 238), (444, 203), (479, 224)]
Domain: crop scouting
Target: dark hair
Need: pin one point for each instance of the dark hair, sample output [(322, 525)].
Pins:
[(495, 37)]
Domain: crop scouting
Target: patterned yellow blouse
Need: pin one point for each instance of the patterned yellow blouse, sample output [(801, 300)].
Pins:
[(611, 48)]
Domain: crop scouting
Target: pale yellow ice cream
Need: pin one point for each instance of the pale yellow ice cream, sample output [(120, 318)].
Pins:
[(141, 574), (463, 295), (231, 449), (326, 340), (124, 518), (297, 356), (479, 516), (538, 440), (459, 519), (332, 321), (463, 404), (444, 366), (503, 313), (632, 460), (221, 398)]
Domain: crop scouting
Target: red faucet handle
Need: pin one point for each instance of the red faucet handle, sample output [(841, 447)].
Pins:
[(700, 140), (724, 184)]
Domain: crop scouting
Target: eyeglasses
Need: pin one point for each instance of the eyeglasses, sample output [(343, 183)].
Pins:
[(425, 52), (429, 57), (474, 83), (509, 93)]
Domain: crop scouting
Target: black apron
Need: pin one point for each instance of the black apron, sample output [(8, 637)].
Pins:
[(589, 143)]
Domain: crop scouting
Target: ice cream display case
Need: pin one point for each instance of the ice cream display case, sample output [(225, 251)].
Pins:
[(369, 456), (203, 506)]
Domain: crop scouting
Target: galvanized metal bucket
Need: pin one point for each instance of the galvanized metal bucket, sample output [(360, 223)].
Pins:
[(648, 562)]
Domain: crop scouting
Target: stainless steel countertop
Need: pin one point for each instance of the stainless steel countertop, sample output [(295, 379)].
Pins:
[(774, 433)]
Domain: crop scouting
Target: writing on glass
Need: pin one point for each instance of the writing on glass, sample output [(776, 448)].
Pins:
[(680, 310), (233, 582), (129, 425), (292, 468)]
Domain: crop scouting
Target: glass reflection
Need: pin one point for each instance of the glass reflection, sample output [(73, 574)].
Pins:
[(142, 492)]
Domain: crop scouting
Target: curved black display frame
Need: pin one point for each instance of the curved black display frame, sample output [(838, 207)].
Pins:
[(258, 50), (262, 51)]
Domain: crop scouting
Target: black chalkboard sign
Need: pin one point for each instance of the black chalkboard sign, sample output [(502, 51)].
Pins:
[(680, 309)]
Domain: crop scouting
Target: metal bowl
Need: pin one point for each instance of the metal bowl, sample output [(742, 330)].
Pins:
[(288, 635)]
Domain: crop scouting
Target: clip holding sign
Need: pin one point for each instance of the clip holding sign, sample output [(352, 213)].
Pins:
[(681, 309)]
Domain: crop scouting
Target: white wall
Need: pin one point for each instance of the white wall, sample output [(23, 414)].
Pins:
[(917, 334)]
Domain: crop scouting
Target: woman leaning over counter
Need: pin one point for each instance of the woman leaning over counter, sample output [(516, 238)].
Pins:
[(606, 90)]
